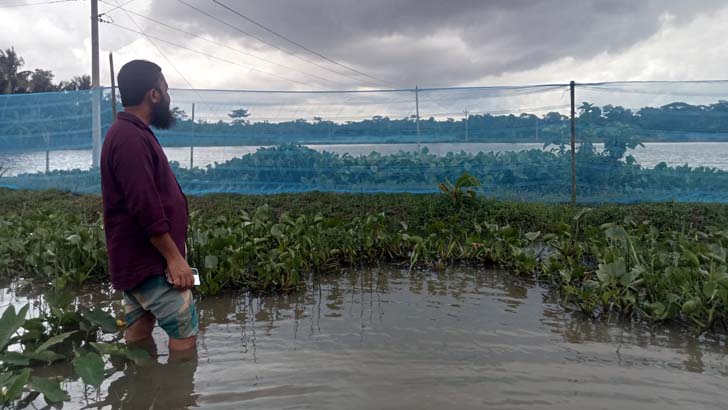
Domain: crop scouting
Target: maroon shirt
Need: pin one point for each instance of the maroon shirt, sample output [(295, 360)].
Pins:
[(141, 199)]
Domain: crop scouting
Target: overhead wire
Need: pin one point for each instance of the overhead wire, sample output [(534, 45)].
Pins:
[(116, 7), (297, 44), (211, 41), (263, 41), (157, 47), (43, 3), (205, 54)]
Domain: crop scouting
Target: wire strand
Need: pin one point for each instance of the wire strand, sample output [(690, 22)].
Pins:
[(157, 47), (298, 44), (211, 41), (205, 54), (36, 4), (263, 41)]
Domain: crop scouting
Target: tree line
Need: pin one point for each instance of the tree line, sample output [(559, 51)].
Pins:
[(15, 80)]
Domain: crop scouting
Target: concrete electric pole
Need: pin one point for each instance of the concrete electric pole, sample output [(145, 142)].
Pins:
[(95, 86)]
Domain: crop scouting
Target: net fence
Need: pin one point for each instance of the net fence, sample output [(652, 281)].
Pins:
[(635, 141)]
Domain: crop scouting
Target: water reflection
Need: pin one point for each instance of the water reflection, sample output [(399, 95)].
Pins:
[(152, 385), (390, 338)]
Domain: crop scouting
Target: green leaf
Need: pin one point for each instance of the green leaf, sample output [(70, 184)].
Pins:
[(113, 349), (10, 322), (59, 299), (549, 237), (211, 262), (50, 388), (137, 356), (15, 385), (616, 233), (34, 330), (658, 309), (54, 341), (14, 359), (691, 257), (710, 288), (74, 239), (609, 272), (90, 366), (101, 318), (691, 306), (277, 230), (532, 236), (581, 213), (46, 356)]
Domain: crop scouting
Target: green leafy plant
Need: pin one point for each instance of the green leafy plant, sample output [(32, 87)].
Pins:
[(463, 188), (61, 332)]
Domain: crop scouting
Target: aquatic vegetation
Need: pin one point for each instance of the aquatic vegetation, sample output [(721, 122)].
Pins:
[(533, 175), (62, 331), (651, 262)]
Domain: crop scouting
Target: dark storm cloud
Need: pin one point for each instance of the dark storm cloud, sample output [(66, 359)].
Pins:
[(444, 42)]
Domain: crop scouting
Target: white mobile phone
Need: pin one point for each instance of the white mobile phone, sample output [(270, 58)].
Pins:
[(195, 275)]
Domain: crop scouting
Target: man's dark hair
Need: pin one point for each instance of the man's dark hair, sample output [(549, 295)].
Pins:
[(135, 79)]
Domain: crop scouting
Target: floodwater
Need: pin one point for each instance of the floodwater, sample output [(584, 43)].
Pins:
[(708, 154), (389, 339)]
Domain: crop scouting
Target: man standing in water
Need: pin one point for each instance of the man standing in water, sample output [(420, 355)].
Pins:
[(145, 214)]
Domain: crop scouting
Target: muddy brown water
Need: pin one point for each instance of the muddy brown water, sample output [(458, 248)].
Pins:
[(389, 339)]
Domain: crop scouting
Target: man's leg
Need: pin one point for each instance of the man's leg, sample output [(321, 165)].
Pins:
[(173, 309), (141, 329), (179, 345)]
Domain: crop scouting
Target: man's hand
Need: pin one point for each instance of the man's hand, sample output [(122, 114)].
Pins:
[(180, 274), (178, 271)]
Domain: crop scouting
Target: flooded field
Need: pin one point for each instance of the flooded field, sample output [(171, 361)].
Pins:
[(389, 339)]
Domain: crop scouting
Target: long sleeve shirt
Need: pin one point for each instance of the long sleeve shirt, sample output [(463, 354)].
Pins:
[(141, 199)]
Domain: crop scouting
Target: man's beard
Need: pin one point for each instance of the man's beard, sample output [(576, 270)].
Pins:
[(162, 117)]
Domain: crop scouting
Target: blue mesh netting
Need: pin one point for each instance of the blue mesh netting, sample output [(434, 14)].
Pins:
[(515, 140)]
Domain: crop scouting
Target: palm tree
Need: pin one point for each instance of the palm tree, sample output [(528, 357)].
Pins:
[(79, 82), (11, 79), (239, 116)]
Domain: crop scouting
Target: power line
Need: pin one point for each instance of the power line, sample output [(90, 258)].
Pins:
[(115, 6), (35, 4), (203, 53), (298, 44), (263, 41), (217, 43), (155, 46)]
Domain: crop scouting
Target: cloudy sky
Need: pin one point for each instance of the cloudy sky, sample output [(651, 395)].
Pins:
[(381, 43)]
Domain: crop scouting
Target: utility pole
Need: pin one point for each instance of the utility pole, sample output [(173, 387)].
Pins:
[(95, 86), (192, 145), (417, 118), (573, 146), (113, 85), (467, 115)]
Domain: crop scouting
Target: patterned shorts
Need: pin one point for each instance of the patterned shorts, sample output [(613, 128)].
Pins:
[(174, 309)]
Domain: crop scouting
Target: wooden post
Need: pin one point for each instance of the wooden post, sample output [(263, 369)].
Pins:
[(47, 141), (192, 147), (573, 147), (467, 116), (113, 85), (417, 111)]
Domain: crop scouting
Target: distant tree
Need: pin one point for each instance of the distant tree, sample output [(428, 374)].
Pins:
[(179, 113), (79, 82), (11, 78), (239, 116), (41, 81)]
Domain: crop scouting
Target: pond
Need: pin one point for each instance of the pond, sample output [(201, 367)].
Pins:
[(390, 339)]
